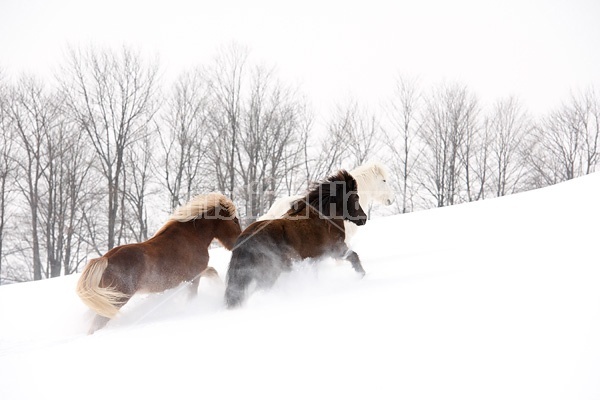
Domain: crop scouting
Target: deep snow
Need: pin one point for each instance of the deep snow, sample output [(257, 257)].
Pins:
[(498, 299)]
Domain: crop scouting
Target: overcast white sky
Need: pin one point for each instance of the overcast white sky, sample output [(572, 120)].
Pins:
[(537, 50)]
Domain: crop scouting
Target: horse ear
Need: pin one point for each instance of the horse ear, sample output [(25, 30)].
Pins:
[(350, 183)]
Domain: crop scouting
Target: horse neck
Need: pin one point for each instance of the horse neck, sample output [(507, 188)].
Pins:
[(227, 233), (334, 226), (202, 229), (322, 214), (365, 190)]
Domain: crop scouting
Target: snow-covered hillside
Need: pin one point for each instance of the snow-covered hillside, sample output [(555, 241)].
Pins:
[(492, 300)]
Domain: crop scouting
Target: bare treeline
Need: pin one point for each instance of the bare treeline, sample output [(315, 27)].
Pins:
[(100, 156), (445, 147)]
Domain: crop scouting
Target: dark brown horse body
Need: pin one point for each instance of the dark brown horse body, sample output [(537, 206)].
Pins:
[(177, 253), (313, 228)]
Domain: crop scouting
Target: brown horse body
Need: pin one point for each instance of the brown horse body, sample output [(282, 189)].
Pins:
[(313, 228), (177, 253)]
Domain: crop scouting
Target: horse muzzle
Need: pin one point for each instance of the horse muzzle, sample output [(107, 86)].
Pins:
[(360, 220)]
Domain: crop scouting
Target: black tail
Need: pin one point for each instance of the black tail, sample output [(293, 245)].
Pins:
[(253, 261), (239, 277)]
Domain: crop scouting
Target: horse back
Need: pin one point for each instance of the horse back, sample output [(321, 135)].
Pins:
[(178, 254), (164, 261), (296, 237)]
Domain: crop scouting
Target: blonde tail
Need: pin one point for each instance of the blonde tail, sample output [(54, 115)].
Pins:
[(104, 301)]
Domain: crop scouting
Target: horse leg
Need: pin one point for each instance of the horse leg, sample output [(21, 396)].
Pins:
[(355, 261), (193, 287), (211, 273), (235, 293), (99, 322)]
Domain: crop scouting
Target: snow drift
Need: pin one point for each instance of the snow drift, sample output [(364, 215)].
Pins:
[(491, 300)]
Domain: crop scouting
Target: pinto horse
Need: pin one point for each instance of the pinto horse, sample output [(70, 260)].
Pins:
[(373, 187), (178, 252), (312, 228)]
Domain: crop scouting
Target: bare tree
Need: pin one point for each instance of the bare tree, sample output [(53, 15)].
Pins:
[(507, 129), (545, 166), (362, 130), (329, 150), (256, 131), (138, 181), (7, 167), (402, 139), (65, 179), (184, 137), (268, 140), (227, 76), (566, 140), (352, 135), (74, 196), (52, 161), (586, 107), (447, 131), (111, 96), (33, 118), (473, 152), (563, 140), (296, 176)]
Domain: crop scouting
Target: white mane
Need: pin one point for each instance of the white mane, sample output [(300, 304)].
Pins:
[(370, 170)]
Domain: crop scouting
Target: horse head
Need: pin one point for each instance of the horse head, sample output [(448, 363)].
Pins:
[(373, 184), (381, 190), (334, 198), (347, 200), (338, 198), (383, 193), (229, 227)]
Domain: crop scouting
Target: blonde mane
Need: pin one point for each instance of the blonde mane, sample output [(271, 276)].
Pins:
[(201, 204)]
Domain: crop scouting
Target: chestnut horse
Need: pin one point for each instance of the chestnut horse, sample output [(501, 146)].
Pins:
[(313, 227), (178, 252)]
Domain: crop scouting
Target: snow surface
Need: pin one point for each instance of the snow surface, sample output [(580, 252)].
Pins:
[(498, 299)]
